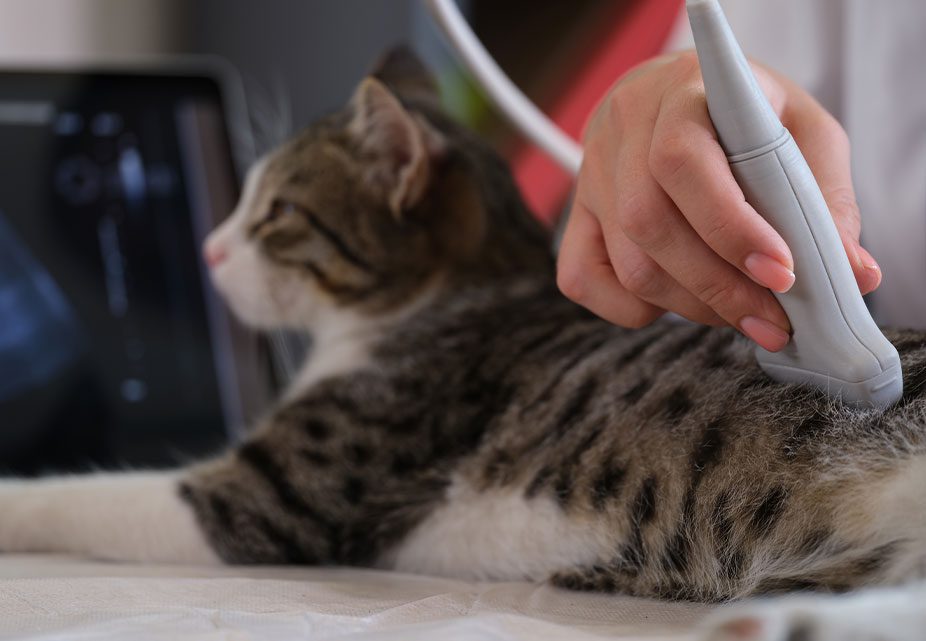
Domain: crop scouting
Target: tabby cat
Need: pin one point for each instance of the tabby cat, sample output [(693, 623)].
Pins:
[(460, 417)]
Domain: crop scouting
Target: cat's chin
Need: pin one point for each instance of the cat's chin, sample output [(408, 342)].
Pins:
[(277, 304), (241, 292), (248, 315), (253, 320)]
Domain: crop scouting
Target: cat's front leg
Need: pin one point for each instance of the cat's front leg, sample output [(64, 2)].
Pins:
[(136, 516), (885, 614)]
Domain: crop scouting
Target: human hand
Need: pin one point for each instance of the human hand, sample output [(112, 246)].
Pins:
[(659, 224)]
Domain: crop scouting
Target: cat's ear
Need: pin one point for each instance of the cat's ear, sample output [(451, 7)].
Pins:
[(400, 146), (403, 72)]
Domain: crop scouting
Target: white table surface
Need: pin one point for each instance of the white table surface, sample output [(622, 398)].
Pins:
[(48, 597)]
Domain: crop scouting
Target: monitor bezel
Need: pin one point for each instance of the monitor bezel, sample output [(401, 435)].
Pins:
[(246, 390)]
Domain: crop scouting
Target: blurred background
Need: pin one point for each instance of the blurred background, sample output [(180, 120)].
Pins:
[(125, 127)]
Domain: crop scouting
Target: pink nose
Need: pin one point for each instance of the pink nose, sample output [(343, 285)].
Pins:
[(214, 254)]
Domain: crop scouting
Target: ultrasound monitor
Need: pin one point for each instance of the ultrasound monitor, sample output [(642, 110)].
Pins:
[(114, 349)]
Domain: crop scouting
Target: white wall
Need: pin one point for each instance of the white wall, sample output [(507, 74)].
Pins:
[(49, 30), (299, 57)]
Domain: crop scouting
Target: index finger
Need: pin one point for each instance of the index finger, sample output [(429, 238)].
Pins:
[(691, 167)]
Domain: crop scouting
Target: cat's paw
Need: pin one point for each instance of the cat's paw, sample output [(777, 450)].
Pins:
[(873, 615)]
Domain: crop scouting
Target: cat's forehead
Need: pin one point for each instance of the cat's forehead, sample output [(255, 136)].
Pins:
[(306, 162), (309, 154), (324, 138)]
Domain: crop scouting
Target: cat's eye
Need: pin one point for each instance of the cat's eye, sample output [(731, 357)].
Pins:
[(279, 213), (282, 208)]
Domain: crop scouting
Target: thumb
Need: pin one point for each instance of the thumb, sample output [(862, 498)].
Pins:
[(845, 211), (865, 268), (825, 145), (868, 280)]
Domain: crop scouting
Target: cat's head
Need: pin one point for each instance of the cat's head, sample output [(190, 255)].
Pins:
[(370, 209)]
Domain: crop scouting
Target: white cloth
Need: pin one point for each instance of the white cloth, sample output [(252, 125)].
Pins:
[(52, 598), (863, 59)]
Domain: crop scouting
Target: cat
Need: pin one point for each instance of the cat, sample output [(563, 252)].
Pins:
[(459, 416)]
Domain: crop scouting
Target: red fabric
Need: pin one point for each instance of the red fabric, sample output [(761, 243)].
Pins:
[(641, 33)]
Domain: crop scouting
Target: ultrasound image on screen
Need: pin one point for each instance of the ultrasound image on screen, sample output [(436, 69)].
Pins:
[(40, 336), (106, 351)]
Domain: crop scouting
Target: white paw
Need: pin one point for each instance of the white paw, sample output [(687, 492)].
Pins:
[(873, 615)]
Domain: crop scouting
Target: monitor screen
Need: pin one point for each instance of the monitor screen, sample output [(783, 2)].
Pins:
[(113, 348)]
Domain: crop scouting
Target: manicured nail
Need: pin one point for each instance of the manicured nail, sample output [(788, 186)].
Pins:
[(766, 334), (868, 280), (867, 261), (769, 272)]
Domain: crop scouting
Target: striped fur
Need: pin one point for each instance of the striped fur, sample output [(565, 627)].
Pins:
[(460, 416), (687, 481)]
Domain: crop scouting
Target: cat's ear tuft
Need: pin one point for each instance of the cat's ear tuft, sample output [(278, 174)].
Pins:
[(406, 75), (401, 147)]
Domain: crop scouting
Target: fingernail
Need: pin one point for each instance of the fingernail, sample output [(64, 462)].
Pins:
[(870, 278), (766, 334), (769, 272), (867, 261)]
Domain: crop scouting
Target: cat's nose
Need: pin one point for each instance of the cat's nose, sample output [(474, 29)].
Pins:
[(214, 253)]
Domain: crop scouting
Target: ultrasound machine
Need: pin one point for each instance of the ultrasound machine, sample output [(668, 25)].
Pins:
[(114, 349)]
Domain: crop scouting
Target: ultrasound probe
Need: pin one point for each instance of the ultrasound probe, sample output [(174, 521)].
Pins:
[(835, 344)]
